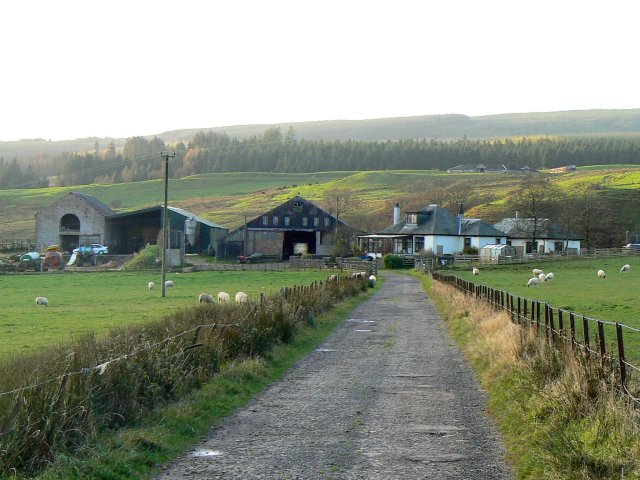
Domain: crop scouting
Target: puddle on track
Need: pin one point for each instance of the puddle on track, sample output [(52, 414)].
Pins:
[(206, 453)]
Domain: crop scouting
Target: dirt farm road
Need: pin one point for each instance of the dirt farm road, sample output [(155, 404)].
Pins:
[(387, 396)]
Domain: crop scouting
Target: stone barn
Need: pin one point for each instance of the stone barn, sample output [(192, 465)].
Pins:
[(295, 227), (75, 219)]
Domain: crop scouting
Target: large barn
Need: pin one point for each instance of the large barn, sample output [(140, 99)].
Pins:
[(75, 219), (295, 227), (80, 219)]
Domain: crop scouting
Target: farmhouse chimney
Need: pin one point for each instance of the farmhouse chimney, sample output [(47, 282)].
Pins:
[(396, 213)]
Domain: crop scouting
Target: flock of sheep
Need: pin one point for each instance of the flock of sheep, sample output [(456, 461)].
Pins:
[(223, 297), (539, 276)]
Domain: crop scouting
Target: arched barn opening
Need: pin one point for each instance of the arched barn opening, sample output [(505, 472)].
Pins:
[(69, 232)]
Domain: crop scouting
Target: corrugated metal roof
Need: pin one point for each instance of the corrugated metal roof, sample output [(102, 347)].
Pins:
[(524, 227), (179, 211)]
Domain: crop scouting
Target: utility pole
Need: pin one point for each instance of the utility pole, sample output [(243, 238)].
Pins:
[(165, 219)]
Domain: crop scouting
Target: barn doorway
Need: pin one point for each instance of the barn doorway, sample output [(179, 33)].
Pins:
[(69, 232), (295, 242)]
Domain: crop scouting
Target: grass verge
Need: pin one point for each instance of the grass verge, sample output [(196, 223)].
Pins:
[(139, 451), (560, 415)]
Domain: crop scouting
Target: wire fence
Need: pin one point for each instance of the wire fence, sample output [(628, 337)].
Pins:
[(596, 339)]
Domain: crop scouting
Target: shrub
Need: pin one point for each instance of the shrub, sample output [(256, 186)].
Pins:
[(392, 261)]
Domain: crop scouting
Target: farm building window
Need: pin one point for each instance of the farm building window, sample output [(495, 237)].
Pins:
[(327, 221), (305, 221), (275, 220), (265, 220), (287, 221), (69, 222), (412, 218), (316, 222)]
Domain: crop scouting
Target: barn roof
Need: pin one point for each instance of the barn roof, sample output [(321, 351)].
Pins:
[(94, 203), (179, 211)]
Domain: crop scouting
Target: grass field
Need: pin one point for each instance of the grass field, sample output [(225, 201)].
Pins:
[(86, 302), (577, 288)]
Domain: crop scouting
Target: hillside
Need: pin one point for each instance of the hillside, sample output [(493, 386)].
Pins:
[(368, 197), (453, 126)]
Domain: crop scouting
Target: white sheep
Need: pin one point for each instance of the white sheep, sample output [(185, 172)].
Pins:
[(151, 285), (372, 278), (533, 281), (241, 297), (625, 268), (168, 284), (333, 278), (223, 297), (205, 298), (42, 301), (536, 272), (601, 274), (542, 277), (475, 271), (550, 276)]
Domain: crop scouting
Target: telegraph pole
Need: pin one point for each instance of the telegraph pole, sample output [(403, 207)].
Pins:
[(165, 219)]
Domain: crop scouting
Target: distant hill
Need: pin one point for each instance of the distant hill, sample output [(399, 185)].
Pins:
[(442, 127)]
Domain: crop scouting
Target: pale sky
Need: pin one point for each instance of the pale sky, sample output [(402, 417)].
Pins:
[(118, 68)]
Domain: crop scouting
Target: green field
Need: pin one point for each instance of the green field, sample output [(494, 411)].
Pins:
[(87, 302), (577, 288)]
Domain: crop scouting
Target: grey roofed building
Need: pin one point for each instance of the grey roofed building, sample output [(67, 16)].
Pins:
[(435, 220), (524, 228)]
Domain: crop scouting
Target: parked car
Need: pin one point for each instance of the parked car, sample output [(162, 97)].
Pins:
[(92, 248), (633, 246)]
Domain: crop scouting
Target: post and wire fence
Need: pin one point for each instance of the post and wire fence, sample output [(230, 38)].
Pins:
[(596, 339)]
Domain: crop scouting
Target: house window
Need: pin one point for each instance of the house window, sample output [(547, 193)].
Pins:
[(419, 241), (287, 221), (275, 220), (305, 221), (497, 241), (316, 222), (558, 246), (467, 242), (265, 220), (412, 218), (327, 221)]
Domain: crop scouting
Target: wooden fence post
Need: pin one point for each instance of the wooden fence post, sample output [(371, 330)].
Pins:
[(537, 315), (551, 324), (623, 366), (585, 327), (560, 323), (519, 303), (572, 326), (603, 349)]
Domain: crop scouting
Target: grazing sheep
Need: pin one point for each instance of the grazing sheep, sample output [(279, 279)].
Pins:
[(536, 272), (42, 301), (601, 274), (372, 278), (223, 297), (550, 276), (333, 278), (475, 271), (542, 277), (151, 285), (533, 281), (241, 297), (625, 268), (205, 298), (168, 284)]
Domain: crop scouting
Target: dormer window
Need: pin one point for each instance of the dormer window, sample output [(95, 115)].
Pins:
[(412, 218)]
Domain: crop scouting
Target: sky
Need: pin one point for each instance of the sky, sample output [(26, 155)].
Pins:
[(73, 69)]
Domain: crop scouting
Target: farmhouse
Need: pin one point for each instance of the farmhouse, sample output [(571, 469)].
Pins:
[(528, 235), (434, 228), (80, 219), (295, 227)]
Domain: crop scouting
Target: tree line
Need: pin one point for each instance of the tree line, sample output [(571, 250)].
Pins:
[(275, 151)]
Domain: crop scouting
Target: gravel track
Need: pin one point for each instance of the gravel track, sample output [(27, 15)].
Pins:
[(387, 396)]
